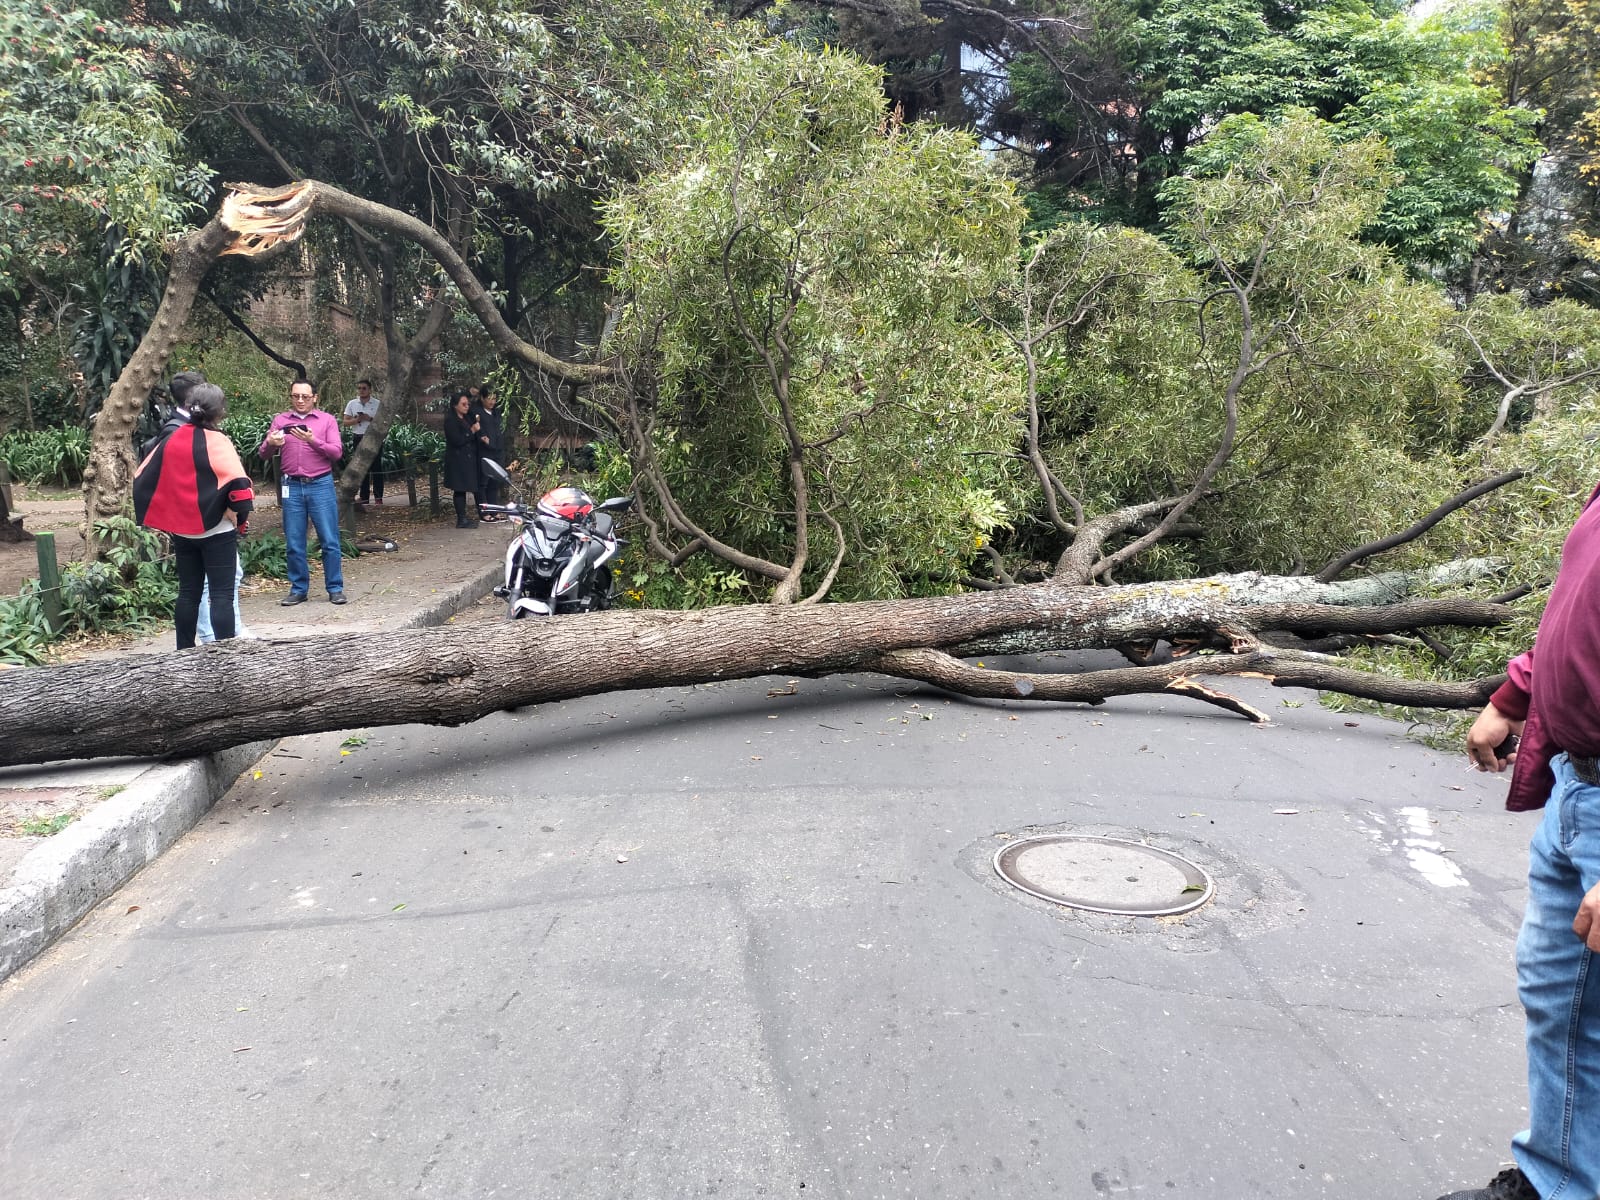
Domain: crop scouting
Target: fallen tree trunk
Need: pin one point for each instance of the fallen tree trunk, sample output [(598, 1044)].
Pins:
[(223, 695)]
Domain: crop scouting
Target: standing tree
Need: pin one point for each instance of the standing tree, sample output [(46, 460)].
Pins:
[(92, 181), (1543, 241)]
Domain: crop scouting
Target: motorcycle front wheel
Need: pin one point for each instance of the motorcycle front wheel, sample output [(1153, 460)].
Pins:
[(601, 590)]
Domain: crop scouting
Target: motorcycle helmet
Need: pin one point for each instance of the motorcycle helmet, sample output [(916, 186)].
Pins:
[(569, 503)]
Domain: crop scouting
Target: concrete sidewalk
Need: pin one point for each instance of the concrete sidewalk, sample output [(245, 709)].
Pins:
[(126, 812)]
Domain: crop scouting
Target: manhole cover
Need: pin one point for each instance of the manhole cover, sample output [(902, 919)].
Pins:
[(1104, 875)]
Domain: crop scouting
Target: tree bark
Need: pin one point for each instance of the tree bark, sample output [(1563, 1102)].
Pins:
[(11, 529), (108, 475), (204, 699)]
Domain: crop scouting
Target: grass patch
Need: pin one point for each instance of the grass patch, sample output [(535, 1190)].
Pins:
[(46, 826)]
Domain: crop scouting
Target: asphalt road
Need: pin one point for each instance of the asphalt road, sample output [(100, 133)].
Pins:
[(724, 941)]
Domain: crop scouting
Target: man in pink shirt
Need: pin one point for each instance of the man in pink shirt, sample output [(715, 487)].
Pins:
[(307, 443)]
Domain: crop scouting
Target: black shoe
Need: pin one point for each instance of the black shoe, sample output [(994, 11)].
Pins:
[(337, 598), (466, 524), (1508, 1185), (293, 598)]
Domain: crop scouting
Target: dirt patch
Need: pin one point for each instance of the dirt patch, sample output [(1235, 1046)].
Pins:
[(42, 509), (39, 812), (60, 512), (392, 521)]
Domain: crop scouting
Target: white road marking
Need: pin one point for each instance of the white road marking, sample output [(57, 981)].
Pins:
[(1423, 851)]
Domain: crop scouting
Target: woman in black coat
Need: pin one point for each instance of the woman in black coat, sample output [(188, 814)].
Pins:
[(491, 444), (461, 456)]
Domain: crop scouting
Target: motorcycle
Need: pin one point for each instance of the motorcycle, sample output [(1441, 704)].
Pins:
[(557, 562)]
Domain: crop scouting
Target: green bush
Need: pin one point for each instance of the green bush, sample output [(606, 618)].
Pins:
[(134, 584), (264, 555), (247, 431), (23, 632), (55, 456), (410, 447), (253, 383)]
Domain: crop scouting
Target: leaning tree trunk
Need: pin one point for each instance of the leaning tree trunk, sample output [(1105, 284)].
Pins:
[(240, 691), (253, 221), (108, 476)]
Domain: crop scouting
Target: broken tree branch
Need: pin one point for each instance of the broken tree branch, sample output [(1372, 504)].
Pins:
[(1340, 565)]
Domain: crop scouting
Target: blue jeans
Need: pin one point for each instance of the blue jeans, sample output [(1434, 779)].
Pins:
[(204, 634), (316, 503), (1560, 989)]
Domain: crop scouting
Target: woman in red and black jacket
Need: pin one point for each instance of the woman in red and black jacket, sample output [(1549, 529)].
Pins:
[(194, 487)]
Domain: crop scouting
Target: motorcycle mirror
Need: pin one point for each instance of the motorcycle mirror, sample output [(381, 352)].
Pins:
[(494, 470), (615, 504)]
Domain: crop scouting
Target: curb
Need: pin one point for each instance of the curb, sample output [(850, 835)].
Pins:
[(456, 599), (58, 882), (61, 879)]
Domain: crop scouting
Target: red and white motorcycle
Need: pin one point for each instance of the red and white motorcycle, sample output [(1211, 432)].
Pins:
[(558, 562)]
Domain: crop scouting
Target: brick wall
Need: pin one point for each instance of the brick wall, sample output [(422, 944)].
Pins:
[(289, 317)]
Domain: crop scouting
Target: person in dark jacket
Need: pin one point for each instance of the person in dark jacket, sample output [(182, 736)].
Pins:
[(491, 444), (179, 388), (193, 487), (461, 428)]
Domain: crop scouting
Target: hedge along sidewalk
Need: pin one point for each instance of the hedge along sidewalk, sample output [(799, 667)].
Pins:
[(148, 805)]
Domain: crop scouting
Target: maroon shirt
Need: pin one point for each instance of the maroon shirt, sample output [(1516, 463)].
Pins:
[(1561, 694)]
